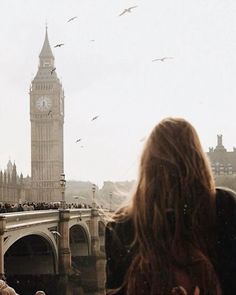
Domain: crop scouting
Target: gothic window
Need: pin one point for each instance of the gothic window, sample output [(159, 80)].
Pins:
[(46, 64)]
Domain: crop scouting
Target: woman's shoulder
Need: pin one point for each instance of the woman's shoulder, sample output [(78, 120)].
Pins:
[(120, 225), (225, 196), (121, 230), (225, 191), (226, 206), (226, 242)]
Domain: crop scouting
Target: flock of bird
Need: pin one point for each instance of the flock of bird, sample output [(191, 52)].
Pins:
[(125, 11)]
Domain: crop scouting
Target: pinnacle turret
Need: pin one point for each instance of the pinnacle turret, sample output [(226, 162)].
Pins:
[(46, 51), (46, 57)]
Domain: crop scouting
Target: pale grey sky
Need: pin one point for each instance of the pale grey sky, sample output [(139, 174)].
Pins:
[(114, 76)]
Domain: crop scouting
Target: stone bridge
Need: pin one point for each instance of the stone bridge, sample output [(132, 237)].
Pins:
[(54, 242)]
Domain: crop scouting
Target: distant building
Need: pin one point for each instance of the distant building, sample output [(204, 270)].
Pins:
[(14, 188), (222, 161)]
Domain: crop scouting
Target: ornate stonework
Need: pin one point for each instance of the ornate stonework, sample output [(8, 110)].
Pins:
[(223, 162), (47, 120), (14, 188)]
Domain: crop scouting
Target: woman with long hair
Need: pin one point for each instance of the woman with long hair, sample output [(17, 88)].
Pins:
[(177, 235)]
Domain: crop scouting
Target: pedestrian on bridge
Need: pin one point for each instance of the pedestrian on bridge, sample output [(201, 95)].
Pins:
[(178, 233)]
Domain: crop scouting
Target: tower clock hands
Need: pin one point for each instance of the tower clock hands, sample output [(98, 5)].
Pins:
[(44, 103), (52, 71)]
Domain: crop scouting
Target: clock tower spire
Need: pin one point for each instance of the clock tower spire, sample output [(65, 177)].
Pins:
[(46, 57), (47, 122)]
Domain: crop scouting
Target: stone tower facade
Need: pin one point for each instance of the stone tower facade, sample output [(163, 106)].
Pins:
[(223, 162), (47, 121)]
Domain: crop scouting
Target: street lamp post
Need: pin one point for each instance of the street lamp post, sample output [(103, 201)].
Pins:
[(110, 195), (93, 190), (63, 185)]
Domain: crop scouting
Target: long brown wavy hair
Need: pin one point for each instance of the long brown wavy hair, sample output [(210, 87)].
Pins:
[(173, 213)]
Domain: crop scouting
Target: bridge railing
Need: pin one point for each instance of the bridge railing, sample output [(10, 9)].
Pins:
[(28, 218), (80, 213), (16, 220)]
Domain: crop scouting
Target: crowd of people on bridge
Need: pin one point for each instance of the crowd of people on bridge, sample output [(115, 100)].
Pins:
[(30, 206)]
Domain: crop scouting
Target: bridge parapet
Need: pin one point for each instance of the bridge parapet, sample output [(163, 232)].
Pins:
[(18, 220), (80, 213)]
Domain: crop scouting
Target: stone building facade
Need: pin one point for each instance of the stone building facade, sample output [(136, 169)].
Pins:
[(14, 188), (223, 162)]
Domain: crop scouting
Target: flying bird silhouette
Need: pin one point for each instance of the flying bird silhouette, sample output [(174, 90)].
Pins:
[(59, 45), (52, 71), (128, 10), (92, 40), (54, 232), (162, 59), (71, 19), (78, 140), (94, 118), (142, 139)]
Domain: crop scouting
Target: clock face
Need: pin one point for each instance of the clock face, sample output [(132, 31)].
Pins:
[(44, 103)]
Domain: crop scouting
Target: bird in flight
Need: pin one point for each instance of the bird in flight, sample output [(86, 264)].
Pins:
[(78, 140), (59, 45), (128, 10), (71, 19), (54, 232), (92, 40), (142, 139), (94, 118), (162, 59), (52, 71)]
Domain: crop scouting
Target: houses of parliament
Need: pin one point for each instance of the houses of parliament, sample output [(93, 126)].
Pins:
[(47, 122)]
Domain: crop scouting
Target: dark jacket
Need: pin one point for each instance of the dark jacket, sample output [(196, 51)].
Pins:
[(119, 236)]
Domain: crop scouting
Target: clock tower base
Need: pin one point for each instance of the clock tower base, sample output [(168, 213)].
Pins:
[(45, 194)]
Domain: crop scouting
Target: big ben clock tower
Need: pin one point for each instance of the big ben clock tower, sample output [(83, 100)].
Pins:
[(47, 120)]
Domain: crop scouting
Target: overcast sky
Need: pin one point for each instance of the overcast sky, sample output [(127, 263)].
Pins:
[(114, 76)]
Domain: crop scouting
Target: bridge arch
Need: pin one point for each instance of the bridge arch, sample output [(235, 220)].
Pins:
[(30, 249), (10, 239), (80, 239)]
